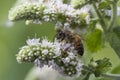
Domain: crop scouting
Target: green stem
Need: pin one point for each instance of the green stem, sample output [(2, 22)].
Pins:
[(102, 22), (81, 5), (87, 76), (112, 76), (114, 16)]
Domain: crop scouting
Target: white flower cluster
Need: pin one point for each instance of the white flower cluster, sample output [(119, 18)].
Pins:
[(26, 11), (53, 54), (51, 10)]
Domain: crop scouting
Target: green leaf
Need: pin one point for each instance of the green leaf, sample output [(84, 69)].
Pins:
[(104, 5), (94, 40), (114, 39), (100, 66), (116, 70), (103, 64)]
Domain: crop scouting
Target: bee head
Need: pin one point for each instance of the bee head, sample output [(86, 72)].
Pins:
[(60, 35)]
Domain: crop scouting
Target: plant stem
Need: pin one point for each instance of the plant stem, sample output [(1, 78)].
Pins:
[(102, 22), (113, 76), (87, 76), (114, 16), (81, 5)]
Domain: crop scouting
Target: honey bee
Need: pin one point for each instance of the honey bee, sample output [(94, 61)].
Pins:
[(72, 38)]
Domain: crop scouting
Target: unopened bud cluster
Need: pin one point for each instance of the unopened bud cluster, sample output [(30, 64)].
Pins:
[(97, 67), (53, 10), (26, 11), (51, 54)]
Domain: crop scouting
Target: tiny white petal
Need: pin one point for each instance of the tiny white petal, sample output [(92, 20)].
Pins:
[(67, 59), (66, 25), (46, 43), (58, 25), (45, 52), (33, 41)]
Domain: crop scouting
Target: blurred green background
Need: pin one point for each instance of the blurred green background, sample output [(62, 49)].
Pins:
[(12, 38)]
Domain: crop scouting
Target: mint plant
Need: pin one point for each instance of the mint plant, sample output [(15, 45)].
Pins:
[(95, 20)]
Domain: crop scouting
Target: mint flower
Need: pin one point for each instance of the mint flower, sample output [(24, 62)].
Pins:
[(48, 11), (26, 11), (53, 54), (68, 15)]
